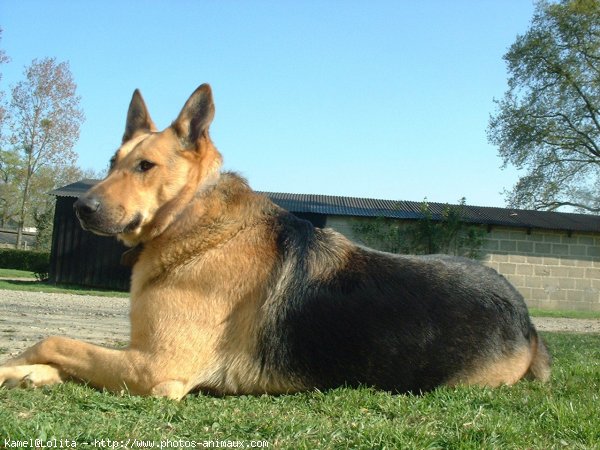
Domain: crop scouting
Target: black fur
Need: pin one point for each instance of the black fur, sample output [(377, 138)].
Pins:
[(398, 323)]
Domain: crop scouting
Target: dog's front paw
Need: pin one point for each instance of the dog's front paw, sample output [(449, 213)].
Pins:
[(29, 376)]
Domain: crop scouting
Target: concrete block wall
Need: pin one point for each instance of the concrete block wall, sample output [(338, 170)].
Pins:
[(344, 225), (553, 270)]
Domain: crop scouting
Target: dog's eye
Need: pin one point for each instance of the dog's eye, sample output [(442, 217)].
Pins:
[(145, 166)]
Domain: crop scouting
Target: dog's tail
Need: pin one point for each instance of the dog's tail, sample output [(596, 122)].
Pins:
[(539, 369)]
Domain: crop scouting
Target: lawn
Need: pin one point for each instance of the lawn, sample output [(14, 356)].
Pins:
[(21, 281), (561, 414), (14, 273)]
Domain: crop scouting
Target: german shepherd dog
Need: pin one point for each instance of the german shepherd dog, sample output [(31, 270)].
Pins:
[(230, 294)]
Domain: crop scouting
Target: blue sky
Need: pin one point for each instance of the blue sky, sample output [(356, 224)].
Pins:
[(383, 99)]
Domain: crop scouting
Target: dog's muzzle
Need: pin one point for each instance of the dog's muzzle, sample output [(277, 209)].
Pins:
[(93, 217), (86, 208)]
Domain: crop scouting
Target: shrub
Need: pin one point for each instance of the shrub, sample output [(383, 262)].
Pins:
[(447, 233), (36, 262)]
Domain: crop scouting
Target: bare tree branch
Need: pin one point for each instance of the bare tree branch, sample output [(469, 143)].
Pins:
[(552, 206)]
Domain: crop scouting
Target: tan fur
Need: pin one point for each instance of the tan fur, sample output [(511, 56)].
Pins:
[(531, 362), (196, 326), (504, 370), (539, 368)]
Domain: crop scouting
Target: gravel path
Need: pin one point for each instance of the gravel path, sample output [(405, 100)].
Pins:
[(27, 317)]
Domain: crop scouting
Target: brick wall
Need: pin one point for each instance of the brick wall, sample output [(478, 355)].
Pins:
[(551, 269)]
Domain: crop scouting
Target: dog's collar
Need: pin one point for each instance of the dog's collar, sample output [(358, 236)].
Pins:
[(130, 257)]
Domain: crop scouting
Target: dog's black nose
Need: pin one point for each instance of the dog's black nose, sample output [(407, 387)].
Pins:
[(86, 206)]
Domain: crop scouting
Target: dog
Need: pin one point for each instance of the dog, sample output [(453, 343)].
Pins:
[(231, 294)]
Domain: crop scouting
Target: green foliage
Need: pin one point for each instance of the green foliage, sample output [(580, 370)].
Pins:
[(31, 261), (44, 222), (448, 234), (384, 234), (10, 173), (560, 414), (548, 123), (43, 123)]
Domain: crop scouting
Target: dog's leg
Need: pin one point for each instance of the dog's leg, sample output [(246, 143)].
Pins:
[(56, 359), (29, 376)]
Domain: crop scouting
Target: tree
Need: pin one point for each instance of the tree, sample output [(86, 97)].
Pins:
[(548, 122), (9, 189), (46, 117), (7, 174), (42, 205), (3, 60)]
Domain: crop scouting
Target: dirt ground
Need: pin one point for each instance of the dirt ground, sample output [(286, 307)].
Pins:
[(27, 317)]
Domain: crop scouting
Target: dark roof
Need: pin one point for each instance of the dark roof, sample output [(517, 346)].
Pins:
[(370, 207), (74, 189)]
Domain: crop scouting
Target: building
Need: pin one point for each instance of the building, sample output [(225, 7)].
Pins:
[(552, 258), (78, 256)]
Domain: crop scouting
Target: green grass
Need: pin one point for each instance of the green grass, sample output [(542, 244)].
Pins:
[(38, 286), (561, 414), (534, 312), (20, 283), (14, 273)]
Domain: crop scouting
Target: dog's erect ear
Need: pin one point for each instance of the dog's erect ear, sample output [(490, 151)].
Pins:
[(138, 118), (196, 116)]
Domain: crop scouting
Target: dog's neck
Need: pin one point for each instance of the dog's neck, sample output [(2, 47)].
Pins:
[(171, 211), (131, 256), (177, 219)]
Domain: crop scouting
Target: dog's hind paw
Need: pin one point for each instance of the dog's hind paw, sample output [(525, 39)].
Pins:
[(29, 376), (173, 389)]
